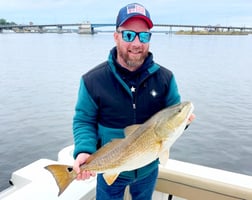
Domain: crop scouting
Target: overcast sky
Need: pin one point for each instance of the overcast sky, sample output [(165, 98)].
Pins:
[(199, 12)]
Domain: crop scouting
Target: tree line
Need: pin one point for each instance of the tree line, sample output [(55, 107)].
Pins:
[(5, 22)]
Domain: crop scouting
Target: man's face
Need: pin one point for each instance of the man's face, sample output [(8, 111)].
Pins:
[(131, 55)]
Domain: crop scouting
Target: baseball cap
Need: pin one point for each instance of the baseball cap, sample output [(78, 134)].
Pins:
[(133, 10)]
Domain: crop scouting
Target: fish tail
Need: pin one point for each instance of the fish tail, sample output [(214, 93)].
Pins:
[(63, 175)]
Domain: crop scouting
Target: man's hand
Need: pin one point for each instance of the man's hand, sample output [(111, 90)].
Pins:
[(81, 159), (191, 118)]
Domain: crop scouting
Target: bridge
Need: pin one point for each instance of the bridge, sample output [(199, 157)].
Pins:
[(88, 28)]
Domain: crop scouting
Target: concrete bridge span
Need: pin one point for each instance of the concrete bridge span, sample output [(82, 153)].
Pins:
[(88, 28)]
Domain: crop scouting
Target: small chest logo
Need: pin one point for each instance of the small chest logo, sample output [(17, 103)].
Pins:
[(153, 93)]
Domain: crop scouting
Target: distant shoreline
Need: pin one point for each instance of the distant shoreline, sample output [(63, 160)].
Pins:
[(211, 33)]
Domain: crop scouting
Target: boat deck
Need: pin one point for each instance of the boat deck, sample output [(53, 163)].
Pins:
[(185, 181), (34, 182)]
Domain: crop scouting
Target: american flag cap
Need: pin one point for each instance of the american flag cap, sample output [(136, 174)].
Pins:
[(133, 10)]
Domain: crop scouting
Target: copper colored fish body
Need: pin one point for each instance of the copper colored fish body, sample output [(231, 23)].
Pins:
[(142, 144)]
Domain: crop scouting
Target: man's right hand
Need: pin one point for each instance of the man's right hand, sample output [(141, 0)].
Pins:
[(81, 159)]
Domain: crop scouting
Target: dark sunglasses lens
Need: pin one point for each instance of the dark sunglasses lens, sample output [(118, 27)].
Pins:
[(128, 36), (144, 37)]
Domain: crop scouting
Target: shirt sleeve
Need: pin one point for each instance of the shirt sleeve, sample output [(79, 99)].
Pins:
[(173, 96), (84, 122)]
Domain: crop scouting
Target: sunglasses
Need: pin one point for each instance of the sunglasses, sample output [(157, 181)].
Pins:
[(129, 36)]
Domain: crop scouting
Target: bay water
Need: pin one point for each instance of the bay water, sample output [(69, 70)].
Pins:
[(39, 80)]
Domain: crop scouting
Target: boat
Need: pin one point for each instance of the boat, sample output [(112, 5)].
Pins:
[(177, 181)]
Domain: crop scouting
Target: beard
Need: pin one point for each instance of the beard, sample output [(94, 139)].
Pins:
[(132, 61)]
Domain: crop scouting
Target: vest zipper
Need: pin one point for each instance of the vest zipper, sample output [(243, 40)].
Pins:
[(133, 91), (134, 106)]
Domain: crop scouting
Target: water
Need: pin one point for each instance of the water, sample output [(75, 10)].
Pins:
[(39, 80)]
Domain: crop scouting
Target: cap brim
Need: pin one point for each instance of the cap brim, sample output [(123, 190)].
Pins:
[(146, 19)]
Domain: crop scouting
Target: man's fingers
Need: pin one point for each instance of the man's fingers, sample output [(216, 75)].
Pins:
[(85, 175)]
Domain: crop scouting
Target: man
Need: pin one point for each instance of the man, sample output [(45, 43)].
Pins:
[(126, 89)]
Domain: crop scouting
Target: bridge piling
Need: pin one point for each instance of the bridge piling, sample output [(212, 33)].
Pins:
[(86, 28), (60, 29)]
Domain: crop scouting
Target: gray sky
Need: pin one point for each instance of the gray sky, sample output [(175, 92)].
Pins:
[(199, 12)]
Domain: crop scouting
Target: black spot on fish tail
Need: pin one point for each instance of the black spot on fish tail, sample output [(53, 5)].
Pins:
[(70, 169)]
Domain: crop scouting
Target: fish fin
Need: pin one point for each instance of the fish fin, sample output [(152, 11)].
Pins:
[(110, 178), (130, 129), (163, 157), (63, 175)]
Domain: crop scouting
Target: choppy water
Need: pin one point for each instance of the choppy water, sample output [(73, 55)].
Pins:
[(39, 79)]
